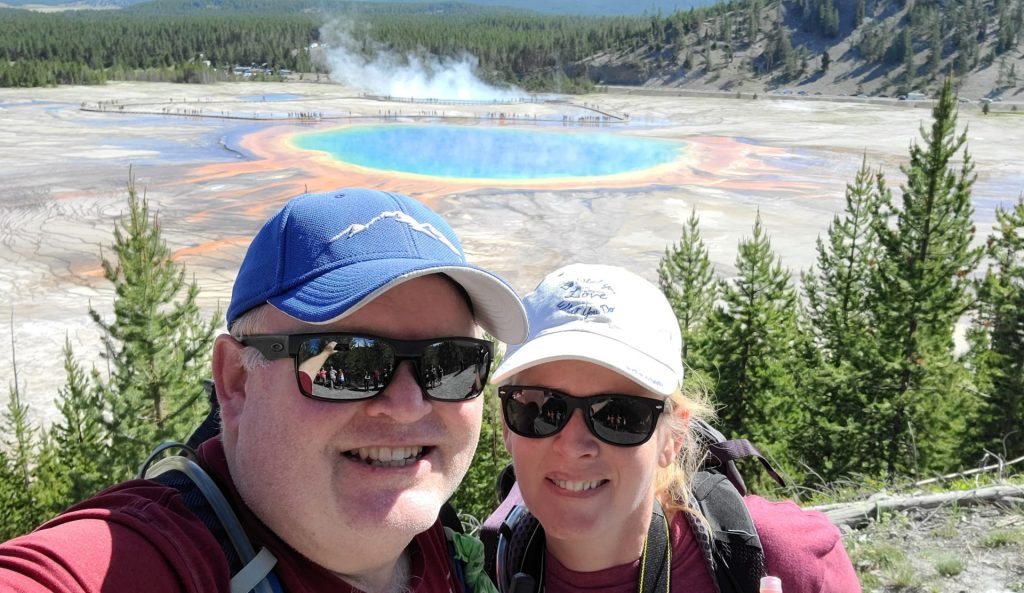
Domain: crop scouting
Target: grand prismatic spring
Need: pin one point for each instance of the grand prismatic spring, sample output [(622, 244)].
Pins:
[(477, 152)]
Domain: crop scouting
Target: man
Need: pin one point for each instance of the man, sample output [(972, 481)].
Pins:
[(342, 487)]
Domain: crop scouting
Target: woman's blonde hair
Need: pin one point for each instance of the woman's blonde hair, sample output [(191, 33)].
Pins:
[(672, 483)]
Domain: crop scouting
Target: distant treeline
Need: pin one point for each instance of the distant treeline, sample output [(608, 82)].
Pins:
[(777, 37), (85, 47), (90, 47)]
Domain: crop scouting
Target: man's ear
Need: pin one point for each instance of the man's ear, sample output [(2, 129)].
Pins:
[(229, 376)]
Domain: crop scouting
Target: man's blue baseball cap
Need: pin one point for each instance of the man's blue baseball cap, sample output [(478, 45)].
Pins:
[(325, 255)]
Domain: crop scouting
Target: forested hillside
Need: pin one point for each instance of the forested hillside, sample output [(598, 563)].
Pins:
[(878, 47), (577, 7), (869, 46)]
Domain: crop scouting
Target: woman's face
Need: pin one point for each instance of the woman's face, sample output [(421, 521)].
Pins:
[(582, 490)]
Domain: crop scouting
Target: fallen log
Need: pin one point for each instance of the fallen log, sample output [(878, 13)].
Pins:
[(995, 466), (857, 514)]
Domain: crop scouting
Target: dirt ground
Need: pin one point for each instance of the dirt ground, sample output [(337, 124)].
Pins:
[(950, 550), (216, 162)]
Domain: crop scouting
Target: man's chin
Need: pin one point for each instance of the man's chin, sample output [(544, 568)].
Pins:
[(409, 510)]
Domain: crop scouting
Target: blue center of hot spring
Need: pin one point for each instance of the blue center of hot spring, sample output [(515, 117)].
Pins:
[(490, 153)]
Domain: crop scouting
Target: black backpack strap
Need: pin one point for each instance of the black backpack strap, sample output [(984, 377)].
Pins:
[(723, 452), (200, 507), (521, 551), (731, 548), (495, 524), (210, 426), (250, 570), (656, 561), (722, 455), (520, 554), (449, 518)]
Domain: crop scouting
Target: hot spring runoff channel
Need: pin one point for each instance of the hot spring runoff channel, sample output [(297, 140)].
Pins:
[(489, 153)]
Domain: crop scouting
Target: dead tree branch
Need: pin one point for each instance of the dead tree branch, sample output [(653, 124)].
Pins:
[(856, 514)]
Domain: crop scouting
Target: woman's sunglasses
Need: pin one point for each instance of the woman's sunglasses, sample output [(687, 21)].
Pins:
[(353, 367), (539, 412)]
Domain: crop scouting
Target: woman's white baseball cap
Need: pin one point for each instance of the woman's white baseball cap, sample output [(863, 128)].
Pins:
[(605, 315)]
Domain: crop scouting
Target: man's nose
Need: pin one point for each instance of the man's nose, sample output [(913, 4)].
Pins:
[(403, 398)]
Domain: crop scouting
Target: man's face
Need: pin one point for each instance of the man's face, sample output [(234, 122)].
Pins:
[(307, 467)]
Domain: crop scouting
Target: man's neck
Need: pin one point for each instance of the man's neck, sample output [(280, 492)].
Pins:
[(393, 578)]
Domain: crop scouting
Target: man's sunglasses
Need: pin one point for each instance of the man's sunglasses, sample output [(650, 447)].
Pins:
[(539, 412), (354, 367)]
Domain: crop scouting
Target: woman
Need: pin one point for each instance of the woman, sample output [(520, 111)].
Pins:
[(599, 433)]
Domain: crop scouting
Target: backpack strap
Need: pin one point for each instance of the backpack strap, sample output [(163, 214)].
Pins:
[(495, 525), (210, 427), (250, 571), (722, 454), (521, 553), (656, 560), (731, 548)]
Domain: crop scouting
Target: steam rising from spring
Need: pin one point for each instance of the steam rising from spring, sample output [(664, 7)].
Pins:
[(364, 63)]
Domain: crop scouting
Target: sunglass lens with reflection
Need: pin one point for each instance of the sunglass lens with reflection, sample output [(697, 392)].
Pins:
[(348, 367)]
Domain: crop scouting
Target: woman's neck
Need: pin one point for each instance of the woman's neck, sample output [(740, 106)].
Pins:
[(613, 548)]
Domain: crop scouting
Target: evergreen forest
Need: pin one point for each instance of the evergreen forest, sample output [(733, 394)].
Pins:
[(852, 373), (911, 44)]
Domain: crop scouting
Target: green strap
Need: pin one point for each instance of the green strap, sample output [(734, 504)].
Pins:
[(470, 551)]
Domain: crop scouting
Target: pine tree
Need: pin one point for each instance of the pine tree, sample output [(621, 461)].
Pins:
[(908, 60), (838, 295), (18, 445), (919, 293), (828, 16), (157, 345), (79, 440), (999, 361), (753, 349), (687, 279), (753, 20), (935, 48), (837, 291), (781, 51)]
